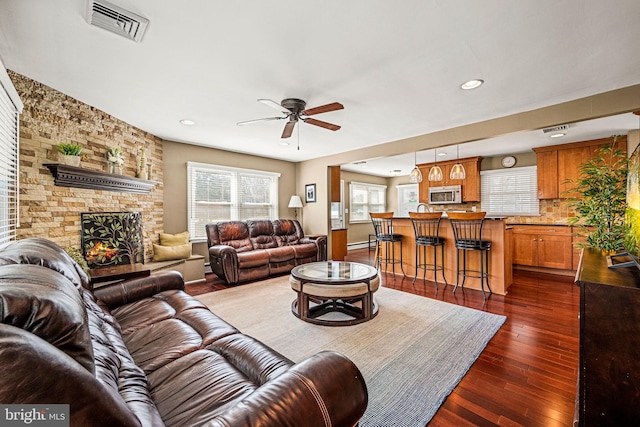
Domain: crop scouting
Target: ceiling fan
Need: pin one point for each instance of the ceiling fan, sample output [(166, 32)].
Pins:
[(294, 110)]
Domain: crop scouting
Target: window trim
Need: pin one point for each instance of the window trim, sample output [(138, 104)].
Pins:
[(10, 159), (382, 187), (237, 172)]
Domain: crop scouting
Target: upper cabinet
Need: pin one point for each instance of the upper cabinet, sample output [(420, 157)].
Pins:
[(470, 185), (559, 165)]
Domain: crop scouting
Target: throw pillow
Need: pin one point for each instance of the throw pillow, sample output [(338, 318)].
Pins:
[(167, 253), (178, 239)]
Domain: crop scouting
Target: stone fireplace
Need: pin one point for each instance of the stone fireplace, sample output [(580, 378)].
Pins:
[(112, 238)]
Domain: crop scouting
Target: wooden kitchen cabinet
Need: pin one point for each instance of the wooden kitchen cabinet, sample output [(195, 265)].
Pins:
[(559, 164), (335, 183), (542, 246), (470, 185)]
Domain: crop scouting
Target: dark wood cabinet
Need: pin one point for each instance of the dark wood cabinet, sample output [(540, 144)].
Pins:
[(609, 373)]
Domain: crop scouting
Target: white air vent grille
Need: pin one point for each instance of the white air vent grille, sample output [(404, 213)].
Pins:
[(112, 18), (560, 128)]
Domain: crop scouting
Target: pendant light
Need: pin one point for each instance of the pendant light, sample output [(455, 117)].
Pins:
[(415, 175), (457, 171), (435, 173)]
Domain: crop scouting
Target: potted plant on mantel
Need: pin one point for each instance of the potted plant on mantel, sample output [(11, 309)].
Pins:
[(69, 154), (601, 201)]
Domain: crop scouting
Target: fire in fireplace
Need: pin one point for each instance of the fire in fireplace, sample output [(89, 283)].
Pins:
[(112, 238)]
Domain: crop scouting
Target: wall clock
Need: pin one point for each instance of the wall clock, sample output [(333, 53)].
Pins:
[(508, 161)]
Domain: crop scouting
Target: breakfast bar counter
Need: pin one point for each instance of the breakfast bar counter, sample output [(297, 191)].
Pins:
[(494, 230)]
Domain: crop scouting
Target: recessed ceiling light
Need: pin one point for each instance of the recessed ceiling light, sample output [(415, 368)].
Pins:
[(471, 84), (557, 135), (187, 122), (442, 154), (284, 143)]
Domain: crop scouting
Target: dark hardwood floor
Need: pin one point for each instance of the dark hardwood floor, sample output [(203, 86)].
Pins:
[(526, 376)]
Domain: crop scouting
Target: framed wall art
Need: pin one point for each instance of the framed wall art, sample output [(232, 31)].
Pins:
[(310, 193)]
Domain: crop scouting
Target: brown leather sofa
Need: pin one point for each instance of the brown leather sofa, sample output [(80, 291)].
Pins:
[(240, 251), (144, 353)]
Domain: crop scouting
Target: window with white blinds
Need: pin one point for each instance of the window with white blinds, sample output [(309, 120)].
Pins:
[(10, 107), (510, 192), (220, 193), (365, 198)]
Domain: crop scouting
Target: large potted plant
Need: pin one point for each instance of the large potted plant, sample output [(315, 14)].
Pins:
[(601, 201), (69, 154)]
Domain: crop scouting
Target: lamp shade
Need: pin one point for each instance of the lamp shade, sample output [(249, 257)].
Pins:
[(295, 202), (457, 172), (415, 175), (435, 173)]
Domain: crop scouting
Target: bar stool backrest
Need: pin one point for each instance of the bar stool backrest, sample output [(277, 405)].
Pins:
[(426, 226), (467, 228), (382, 224)]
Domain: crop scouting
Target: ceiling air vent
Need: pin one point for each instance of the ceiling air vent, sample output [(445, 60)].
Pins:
[(560, 128), (116, 19)]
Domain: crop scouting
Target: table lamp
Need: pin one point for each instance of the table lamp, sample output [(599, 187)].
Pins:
[(295, 202)]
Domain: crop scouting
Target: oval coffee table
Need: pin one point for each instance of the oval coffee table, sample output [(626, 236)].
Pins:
[(334, 293)]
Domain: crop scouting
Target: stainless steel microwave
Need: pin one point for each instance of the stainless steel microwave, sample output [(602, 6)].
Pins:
[(445, 195)]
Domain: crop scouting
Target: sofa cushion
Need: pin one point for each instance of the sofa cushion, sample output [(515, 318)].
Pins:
[(168, 253), (178, 239), (251, 259), (38, 251), (285, 232), (261, 234), (47, 304), (234, 234), (305, 250), (281, 254)]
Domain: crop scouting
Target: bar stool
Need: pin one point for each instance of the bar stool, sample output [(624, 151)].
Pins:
[(383, 228), (426, 228), (467, 232)]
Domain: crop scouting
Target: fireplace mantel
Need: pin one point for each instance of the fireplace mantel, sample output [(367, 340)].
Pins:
[(72, 176)]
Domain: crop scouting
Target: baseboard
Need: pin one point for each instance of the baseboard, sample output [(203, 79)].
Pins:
[(357, 245)]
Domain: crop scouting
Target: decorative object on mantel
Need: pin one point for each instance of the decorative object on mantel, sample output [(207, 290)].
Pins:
[(115, 160), (71, 176), (69, 154), (143, 171)]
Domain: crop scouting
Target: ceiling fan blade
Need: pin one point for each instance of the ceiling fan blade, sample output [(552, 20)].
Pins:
[(323, 109), (274, 104), (266, 119), (322, 124), (288, 129)]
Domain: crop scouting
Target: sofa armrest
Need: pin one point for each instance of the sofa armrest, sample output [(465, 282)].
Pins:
[(321, 242), (127, 291), (325, 389), (224, 263)]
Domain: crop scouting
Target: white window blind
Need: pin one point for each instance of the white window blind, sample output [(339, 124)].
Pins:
[(10, 108), (510, 192), (365, 198), (219, 193)]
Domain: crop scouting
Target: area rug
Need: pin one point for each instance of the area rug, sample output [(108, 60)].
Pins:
[(411, 355)]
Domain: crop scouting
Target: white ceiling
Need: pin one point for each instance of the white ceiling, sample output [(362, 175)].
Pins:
[(396, 66)]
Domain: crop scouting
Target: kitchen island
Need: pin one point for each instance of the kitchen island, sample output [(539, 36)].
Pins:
[(494, 230)]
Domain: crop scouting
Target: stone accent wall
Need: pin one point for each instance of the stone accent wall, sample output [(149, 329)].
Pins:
[(46, 210)]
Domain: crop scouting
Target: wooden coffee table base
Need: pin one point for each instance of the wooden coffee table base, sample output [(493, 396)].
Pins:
[(347, 308)]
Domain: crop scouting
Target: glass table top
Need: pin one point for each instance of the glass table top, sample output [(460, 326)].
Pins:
[(334, 271)]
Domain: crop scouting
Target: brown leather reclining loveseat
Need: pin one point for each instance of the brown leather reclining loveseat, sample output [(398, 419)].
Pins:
[(144, 353), (240, 251)]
